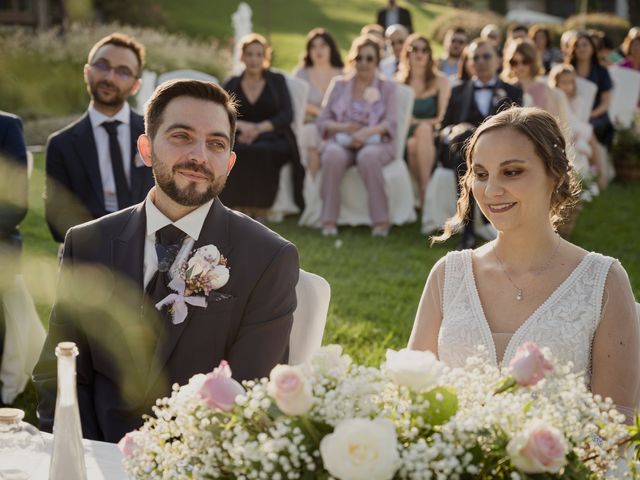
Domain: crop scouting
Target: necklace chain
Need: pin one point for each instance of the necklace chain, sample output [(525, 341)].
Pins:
[(520, 290)]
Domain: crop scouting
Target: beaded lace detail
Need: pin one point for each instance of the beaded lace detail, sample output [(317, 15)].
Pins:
[(565, 323)]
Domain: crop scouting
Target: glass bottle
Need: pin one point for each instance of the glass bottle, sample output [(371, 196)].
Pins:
[(22, 449), (67, 459)]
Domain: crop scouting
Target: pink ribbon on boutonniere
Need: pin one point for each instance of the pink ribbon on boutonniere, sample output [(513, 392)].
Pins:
[(179, 301)]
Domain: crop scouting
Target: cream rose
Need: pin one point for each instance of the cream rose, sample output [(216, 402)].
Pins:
[(418, 370), (210, 253), (218, 276), (539, 448), (361, 449), (290, 389)]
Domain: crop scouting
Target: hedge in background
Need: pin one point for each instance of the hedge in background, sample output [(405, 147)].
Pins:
[(616, 28)]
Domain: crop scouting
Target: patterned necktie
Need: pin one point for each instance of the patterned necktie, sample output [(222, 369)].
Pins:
[(117, 165), (168, 242)]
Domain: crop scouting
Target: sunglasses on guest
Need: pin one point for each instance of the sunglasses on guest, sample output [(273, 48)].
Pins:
[(516, 63), (365, 58), (412, 49), (482, 56)]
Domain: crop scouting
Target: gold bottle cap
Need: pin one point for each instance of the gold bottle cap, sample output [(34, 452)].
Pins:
[(10, 416), (66, 349)]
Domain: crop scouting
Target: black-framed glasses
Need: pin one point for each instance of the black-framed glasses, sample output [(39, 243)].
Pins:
[(365, 58), (458, 41), (516, 63), (482, 56), (122, 72), (412, 49)]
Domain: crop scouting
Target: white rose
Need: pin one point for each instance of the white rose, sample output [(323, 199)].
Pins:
[(371, 95), (209, 252), (329, 361), (415, 369), (290, 389), (361, 449), (539, 448), (218, 276), (197, 265)]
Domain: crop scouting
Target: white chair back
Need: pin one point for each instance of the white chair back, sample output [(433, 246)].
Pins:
[(404, 102), (299, 91), (147, 87), (625, 94), (585, 95), (186, 73), (309, 318)]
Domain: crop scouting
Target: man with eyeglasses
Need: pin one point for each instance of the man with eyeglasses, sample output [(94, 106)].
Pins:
[(395, 36), (454, 42), (92, 167), (470, 104)]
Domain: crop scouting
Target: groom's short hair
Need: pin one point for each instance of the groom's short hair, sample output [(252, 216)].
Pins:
[(197, 89)]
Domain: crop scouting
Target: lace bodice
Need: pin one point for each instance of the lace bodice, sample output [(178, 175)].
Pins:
[(565, 323)]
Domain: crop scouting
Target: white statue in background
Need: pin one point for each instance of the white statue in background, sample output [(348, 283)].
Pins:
[(242, 26)]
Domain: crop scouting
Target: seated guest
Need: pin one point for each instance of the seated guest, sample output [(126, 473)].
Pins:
[(394, 14), (92, 167), (515, 32), (631, 50), (454, 42), (359, 122), (465, 68), (607, 52), (542, 39), (583, 56), (432, 90), (493, 35), (522, 68), (321, 63), (264, 140), (395, 37), (470, 104)]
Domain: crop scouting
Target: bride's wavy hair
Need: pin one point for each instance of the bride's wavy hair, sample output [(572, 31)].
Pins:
[(543, 131)]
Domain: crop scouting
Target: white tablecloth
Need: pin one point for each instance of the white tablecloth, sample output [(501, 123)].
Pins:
[(103, 460)]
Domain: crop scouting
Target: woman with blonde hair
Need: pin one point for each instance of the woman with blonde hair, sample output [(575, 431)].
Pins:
[(529, 284), (417, 69), (359, 123)]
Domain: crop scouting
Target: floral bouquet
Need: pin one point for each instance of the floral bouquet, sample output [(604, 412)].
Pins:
[(412, 418)]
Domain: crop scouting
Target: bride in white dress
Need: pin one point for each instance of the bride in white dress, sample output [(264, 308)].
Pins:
[(530, 284)]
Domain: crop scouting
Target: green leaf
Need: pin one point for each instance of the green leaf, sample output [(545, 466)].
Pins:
[(443, 404)]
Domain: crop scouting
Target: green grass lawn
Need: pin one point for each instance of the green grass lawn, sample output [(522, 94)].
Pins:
[(376, 283)]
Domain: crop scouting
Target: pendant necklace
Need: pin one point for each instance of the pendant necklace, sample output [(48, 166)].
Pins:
[(520, 290)]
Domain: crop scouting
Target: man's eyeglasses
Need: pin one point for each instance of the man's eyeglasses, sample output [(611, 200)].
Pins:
[(516, 63), (458, 41), (482, 56), (412, 49), (365, 58), (123, 73)]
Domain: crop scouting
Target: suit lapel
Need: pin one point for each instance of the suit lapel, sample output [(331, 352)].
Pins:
[(127, 249), (215, 232), (85, 146), (467, 101), (137, 172)]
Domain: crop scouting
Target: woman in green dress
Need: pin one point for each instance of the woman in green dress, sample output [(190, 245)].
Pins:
[(418, 70)]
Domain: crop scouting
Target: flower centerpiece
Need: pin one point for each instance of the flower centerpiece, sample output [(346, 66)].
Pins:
[(412, 418)]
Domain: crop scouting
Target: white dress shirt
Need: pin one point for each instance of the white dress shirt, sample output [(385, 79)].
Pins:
[(104, 156), (191, 224), (388, 66), (483, 97)]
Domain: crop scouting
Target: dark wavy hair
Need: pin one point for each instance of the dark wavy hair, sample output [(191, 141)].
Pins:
[(544, 133), (571, 50), (335, 58)]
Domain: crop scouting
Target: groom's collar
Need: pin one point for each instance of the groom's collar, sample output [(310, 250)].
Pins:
[(191, 224)]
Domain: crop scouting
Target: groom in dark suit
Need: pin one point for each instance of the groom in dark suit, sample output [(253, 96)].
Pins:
[(92, 167), (190, 127), (470, 104)]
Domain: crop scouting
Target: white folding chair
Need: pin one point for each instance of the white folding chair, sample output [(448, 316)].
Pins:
[(284, 203), (625, 94), (309, 318), (397, 181), (186, 73)]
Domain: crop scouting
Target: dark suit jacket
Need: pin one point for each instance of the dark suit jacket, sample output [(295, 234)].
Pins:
[(74, 192), (404, 18), (120, 372), (462, 103), (14, 186)]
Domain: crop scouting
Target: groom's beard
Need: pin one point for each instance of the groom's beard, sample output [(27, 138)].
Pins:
[(188, 196)]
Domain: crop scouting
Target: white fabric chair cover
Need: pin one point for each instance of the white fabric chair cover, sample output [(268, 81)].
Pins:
[(284, 203), (585, 95), (310, 317), (439, 200), (186, 73), (625, 94), (23, 341), (354, 208)]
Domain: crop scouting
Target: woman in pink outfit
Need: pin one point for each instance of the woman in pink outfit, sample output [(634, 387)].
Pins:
[(359, 123)]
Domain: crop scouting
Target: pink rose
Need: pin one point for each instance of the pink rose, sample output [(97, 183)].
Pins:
[(291, 390), (529, 365), (538, 449), (128, 445), (219, 390)]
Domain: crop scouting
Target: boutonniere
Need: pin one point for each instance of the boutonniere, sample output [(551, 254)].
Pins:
[(205, 271), (371, 95), (498, 94)]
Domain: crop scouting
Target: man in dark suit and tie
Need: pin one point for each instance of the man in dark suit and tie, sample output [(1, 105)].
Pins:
[(91, 164), (394, 14), (190, 128), (470, 104)]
